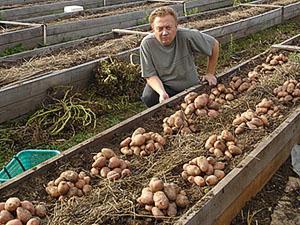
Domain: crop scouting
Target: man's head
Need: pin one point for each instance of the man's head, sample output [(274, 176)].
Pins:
[(163, 22)]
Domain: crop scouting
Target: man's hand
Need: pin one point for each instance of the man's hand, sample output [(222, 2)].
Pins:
[(211, 79), (163, 96)]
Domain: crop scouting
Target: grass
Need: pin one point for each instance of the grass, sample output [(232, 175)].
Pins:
[(13, 135), (13, 50)]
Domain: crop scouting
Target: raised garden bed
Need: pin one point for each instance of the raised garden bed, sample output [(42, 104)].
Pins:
[(38, 86), (16, 10), (248, 172), (126, 15)]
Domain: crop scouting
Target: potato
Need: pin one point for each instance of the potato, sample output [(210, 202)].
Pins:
[(220, 145), (107, 153), (190, 97), (23, 214), (12, 204), (184, 175), (29, 206), (125, 142), (157, 213), (58, 180), (218, 153), (264, 120), (239, 130), (156, 185), (113, 175), (80, 183), (125, 173), (227, 136), (202, 163), (172, 209), (251, 126), (182, 200), (161, 140), (201, 112), (94, 172), (178, 122), (148, 207), (171, 191), (146, 197), (185, 130), (210, 141), (114, 162), (139, 130), (235, 150), (201, 101), (50, 183), (237, 121), (189, 109), (5, 216), (14, 222), (219, 166), (211, 180), (211, 160), (40, 210), (160, 200), (73, 191), (198, 180), (63, 188), (210, 170), (86, 189), (193, 170), (70, 175), (229, 97), (257, 122), (228, 155), (213, 105), (126, 151), (168, 130), (138, 140), (219, 174), (34, 221)]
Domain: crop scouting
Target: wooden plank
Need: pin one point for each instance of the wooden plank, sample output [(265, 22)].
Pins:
[(291, 10), (124, 31), (290, 40), (260, 5), (287, 47), (230, 194)]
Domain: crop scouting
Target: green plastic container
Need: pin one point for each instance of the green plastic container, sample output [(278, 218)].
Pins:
[(25, 160)]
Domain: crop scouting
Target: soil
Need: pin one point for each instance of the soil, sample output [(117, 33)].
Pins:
[(65, 58), (273, 204)]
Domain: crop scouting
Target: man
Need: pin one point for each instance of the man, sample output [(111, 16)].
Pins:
[(167, 59)]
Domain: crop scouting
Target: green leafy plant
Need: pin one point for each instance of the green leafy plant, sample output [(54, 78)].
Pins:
[(13, 50)]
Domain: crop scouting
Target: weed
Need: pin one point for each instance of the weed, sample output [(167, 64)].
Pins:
[(192, 11), (13, 50)]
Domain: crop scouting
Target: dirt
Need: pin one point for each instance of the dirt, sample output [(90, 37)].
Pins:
[(64, 58), (37, 2), (273, 205), (280, 2)]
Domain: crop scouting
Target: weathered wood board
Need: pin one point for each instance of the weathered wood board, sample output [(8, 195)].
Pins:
[(50, 8), (57, 33)]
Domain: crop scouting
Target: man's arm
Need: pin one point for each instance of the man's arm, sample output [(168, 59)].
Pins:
[(212, 64), (155, 83)]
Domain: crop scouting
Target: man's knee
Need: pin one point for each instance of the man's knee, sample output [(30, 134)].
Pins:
[(150, 97)]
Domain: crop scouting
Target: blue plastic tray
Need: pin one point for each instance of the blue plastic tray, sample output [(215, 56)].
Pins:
[(25, 160)]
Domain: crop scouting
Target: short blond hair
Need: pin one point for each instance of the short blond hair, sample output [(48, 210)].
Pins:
[(161, 12)]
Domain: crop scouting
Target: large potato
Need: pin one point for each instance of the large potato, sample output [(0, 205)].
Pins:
[(5, 216), (40, 210), (172, 209), (182, 200), (160, 200), (156, 184), (29, 206), (107, 153), (12, 204), (70, 175), (34, 221), (23, 214), (14, 222), (157, 213), (171, 191), (146, 197)]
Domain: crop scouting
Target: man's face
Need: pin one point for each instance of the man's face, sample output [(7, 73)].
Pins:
[(164, 29)]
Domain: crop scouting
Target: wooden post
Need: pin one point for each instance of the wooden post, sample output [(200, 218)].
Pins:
[(124, 31)]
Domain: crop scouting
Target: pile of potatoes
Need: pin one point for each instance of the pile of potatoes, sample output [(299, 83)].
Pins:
[(69, 184), (288, 92), (224, 145), (178, 122), (199, 105), (267, 107), (162, 199), (272, 60), (241, 85), (17, 212), (142, 143), (249, 120), (109, 166), (221, 94), (203, 171)]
